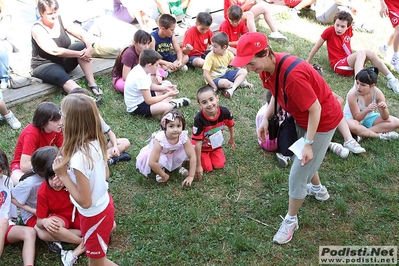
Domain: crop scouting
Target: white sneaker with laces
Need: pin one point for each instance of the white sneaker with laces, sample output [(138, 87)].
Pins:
[(12, 120), (285, 232), (277, 36), (68, 258), (395, 63), (353, 146), (321, 194), (393, 84), (339, 150), (389, 135), (383, 50)]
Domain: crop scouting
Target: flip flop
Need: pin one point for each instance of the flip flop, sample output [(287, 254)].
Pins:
[(95, 90)]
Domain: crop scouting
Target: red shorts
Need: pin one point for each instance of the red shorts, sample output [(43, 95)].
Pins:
[(394, 16), (292, 3), (31, 222), (68, 223), (96, 231), (342, 68), (212, 159), (6, 236)]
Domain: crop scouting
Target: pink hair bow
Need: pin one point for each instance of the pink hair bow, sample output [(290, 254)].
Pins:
[(168, 116)]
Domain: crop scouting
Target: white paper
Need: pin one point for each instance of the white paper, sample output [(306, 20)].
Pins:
[(216, 139), (297, 147)]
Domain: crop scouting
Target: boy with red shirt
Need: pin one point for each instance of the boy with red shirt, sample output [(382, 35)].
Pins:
[(207, 133), (197, 38), (342, 60), (234, 27)]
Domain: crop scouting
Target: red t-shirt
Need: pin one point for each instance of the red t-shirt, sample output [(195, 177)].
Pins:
[(50, 201), (204, 127), (31, 139), (338, 47), (234, 33), (199, 41), (393, 5), (303, 86)]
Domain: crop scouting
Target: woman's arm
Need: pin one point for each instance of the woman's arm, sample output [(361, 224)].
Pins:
[(263, 130), (313, 124), (82, 35), (314, 50)]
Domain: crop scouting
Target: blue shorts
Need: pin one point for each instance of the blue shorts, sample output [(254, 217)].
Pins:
[(191, 58), (170, 58), (369, 120), (143, 108), (229, 75)]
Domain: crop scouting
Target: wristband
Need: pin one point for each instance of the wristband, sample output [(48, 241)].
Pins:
[(310, 142)]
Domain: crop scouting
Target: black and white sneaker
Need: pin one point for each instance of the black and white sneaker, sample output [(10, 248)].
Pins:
[(180, 102)]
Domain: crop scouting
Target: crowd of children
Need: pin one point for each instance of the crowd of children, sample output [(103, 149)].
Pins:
[(77, 170)]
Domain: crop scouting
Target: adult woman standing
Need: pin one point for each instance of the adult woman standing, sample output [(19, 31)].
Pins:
[(53, 54), (311, 103)]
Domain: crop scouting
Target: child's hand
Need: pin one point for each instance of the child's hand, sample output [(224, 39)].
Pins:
[(199, 171), (382, 105), (115, 151), (164, 178), (187, 181), (173, 93), (168, 87), (231, 143), (372, 106), (51, 225), (58, 168), (189, 47)]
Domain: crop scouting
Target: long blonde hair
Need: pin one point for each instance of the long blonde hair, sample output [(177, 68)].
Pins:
[(82, 125)]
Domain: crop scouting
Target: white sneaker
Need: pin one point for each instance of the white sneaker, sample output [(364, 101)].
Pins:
[(12, 120), (3, 84), (184, 68), (68, 258), (180, 102), (383, 50), (321, 194), (282, 160), (285, 232), (395, 63), (339, 150), (277, 36), (389, 135), (353, 146), (393, 83)]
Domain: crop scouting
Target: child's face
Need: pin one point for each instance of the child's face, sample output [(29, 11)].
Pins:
[(139, 47), (55, 185), (234, 23), (209, 102), (54, 126), (363, 88), (340, 26), (173, 129), (169, 32), (202, 28), (152, 68), (217, 49)]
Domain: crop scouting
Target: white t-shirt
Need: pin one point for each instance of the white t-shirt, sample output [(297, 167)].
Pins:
[(7, 209), (136, 80), (96, 174)]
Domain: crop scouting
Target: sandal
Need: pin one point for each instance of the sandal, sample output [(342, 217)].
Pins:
[(95, 90)]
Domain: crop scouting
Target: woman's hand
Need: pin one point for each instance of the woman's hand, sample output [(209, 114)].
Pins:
[(263, 130), (85, 54), (307, 154)]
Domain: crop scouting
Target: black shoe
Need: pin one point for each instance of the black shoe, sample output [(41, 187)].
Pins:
[(123, 157), (55, 247)]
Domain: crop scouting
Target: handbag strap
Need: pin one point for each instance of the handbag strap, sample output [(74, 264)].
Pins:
[(277, 78), (293, 64)]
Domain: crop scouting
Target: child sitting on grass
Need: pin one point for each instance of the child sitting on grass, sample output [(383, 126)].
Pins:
[(362, 103), (215, 69), (197, 38), (164, 40), (342, 60), (144, 98), (233, 26), (169, 148), (9, 232), (207, 133), (116, 147)]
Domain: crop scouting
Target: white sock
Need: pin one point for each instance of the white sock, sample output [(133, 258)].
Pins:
[(291, 218), (390, 76), (316, 187)]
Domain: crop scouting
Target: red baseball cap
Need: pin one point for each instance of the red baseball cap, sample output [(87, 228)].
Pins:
[(248, 45)]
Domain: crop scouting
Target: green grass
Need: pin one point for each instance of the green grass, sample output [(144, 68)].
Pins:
[(213, 223)]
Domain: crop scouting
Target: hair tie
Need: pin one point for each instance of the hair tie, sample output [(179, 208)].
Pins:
[(168, 116)]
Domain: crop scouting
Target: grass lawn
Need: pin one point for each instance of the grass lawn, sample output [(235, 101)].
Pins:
[(231, 216)]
